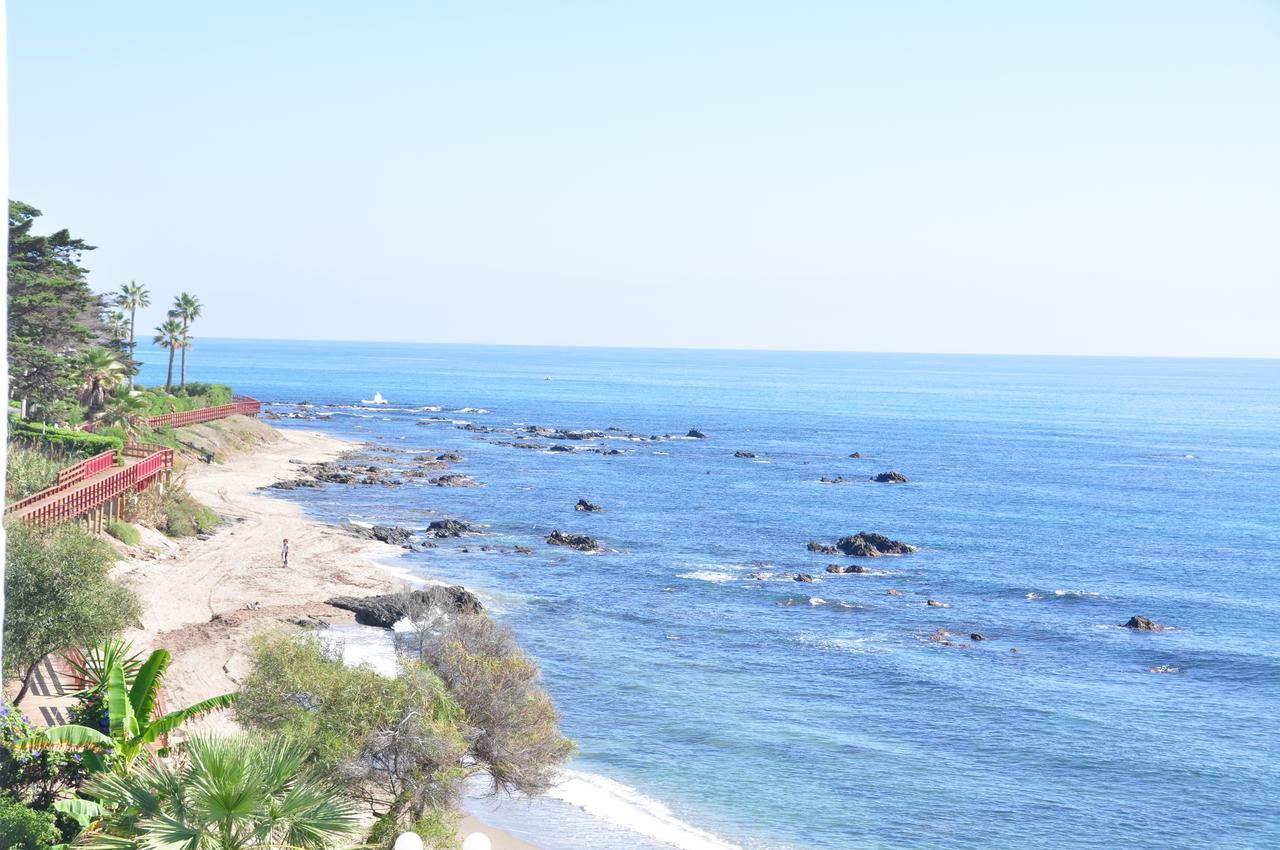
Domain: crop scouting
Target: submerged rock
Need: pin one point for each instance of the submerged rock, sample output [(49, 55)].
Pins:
[(891, 478), (559, 448), (1142, 624), (587, 507), (803, 577), (839, 479), (856, 455), (977, 636), (933, 603), (834, 568), (384, 611), (744, 454), (454, 480), (581, 542), (866, 544), (450, 457)]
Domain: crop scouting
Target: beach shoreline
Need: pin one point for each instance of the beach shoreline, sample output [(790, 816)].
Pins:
[(204, 600)]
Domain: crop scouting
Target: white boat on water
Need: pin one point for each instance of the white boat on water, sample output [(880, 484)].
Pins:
[(377, 399)]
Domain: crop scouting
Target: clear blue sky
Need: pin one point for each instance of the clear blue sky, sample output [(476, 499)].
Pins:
[(1036, 177)]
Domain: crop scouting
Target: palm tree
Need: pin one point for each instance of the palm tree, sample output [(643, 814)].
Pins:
[(123, 407), (187, 308), (103, 372), (132, 296), (226, 794), (169, 335)]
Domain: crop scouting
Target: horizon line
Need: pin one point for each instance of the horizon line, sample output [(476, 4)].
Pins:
[(1011, 354)]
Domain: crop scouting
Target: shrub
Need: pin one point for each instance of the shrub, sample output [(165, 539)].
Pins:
[(196, 395), (29, 471), (438, 830), (34, 777), (399, 741), (184, 516), (58, 594), (518, 741), (23, 828), (124, 532), (74, 444)]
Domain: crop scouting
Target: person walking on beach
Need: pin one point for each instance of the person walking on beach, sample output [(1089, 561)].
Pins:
[(284, 553)]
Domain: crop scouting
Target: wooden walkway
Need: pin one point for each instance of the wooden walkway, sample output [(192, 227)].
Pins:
[(94, 484)]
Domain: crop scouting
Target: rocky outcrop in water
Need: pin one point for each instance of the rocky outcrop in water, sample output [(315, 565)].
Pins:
[(696, 434), (839, 479), (744, 454), (856, 455), (587, 507), (803, 577), (386, 610), (1142, 624), (393, 534), (866, 544), (450, 457), (824, 548), (454, 479), (442, 528), (581, 542), (890, 477)]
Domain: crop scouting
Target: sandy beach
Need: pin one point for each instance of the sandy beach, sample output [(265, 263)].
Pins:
[(204, 600)]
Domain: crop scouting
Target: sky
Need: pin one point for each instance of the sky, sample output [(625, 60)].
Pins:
[(989, 177)]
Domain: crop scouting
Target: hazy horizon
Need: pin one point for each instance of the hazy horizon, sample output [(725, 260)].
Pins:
[(1094, 180)]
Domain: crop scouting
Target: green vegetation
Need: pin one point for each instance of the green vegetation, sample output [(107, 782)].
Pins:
[(36, 777), (193, 396), (121, 696), (58, 594), (184, 516), (124, 532), (411, 740), (24, 828), (186, 309), (227, 794), (133, 295), (438, 830), (71, 445), (29, 471)]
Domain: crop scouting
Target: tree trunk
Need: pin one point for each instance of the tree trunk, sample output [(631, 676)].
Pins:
[(184, 367), (133, 345), (168, 379), (26, 684)]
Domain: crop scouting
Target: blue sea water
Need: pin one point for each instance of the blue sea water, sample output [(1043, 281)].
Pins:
[(1050, 498)]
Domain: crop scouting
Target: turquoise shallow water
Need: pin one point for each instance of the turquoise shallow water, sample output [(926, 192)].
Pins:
[(1051, 498)]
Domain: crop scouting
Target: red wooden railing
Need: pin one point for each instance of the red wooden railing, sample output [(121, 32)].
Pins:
[(241, 405), (87, 469), (71, 499)]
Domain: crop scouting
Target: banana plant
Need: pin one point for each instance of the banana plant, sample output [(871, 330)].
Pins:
[(132, 729)]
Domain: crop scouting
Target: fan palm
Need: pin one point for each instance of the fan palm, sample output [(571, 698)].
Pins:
[(123, 407), (169, 335), (186, 308), (132, 296), (226, 794), (103, 372)]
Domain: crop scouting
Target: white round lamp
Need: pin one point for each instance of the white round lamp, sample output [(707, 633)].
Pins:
[(408, 841), (477, 841)]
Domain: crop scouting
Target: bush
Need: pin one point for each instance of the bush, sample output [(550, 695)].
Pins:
[(438, 830), (184, 516), (34, 777), (59, 594), (23, 828), (73, 444), (195, 396), (518, 741), (124, 532), (399, 741), (29, 471)]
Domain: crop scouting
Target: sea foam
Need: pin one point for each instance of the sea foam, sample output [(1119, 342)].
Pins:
[(624, 806)]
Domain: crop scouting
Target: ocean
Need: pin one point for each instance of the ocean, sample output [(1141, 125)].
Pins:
[(1050, 499)]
